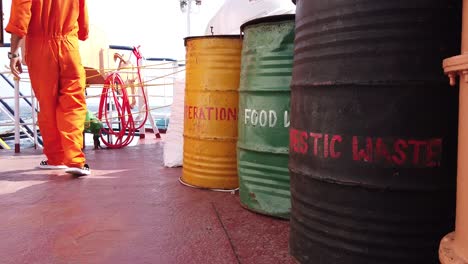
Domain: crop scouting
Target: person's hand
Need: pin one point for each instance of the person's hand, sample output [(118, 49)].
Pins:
[(15, 67)]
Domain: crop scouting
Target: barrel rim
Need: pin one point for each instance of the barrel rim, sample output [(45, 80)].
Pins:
[(211, 36), (267, 19)]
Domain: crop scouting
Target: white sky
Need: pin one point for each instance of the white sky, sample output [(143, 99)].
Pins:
[(157, 25)]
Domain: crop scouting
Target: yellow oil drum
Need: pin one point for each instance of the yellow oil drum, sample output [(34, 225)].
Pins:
[(211, 111)]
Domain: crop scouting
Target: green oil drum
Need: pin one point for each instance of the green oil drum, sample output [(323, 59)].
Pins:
[(264, 103)]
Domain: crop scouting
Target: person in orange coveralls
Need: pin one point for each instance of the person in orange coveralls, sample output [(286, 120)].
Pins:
[(51, 30)]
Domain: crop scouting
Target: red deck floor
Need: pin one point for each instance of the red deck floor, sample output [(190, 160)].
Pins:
[(131, 210)]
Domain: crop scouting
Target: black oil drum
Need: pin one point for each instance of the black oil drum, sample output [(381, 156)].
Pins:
[(373, 130)]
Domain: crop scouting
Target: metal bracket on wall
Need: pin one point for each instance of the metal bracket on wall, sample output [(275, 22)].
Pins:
[(456, 66)]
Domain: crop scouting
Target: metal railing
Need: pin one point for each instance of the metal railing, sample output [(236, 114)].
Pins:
[(156, 72), (29, 129)]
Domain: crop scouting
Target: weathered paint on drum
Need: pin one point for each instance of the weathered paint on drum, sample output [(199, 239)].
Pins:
[(264, 107), (373, 137), (211, 111)]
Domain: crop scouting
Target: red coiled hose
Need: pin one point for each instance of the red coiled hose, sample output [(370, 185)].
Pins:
[(115, 89)]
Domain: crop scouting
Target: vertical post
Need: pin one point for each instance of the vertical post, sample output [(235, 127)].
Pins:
[(142, 92), (454, 247), (140, 103), (17, 117), (189, 10), (101, 63), (461, 222), (33, 115)]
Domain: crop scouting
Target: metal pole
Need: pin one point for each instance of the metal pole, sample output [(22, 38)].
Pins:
[(454, 247), (461, 222), (33, 114), (142, 91), (17, 117), (189, 10)]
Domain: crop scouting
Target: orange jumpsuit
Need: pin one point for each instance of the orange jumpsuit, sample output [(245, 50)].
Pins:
[(52, 29)]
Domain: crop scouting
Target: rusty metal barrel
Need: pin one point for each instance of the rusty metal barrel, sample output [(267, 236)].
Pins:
[(264, 106), (373, 137), (211, 111)]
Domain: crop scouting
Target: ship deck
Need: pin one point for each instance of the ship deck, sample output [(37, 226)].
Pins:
[(130, 210)]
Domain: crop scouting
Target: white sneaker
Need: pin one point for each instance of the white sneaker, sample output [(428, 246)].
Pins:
[(78, 172), (45, 166)]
